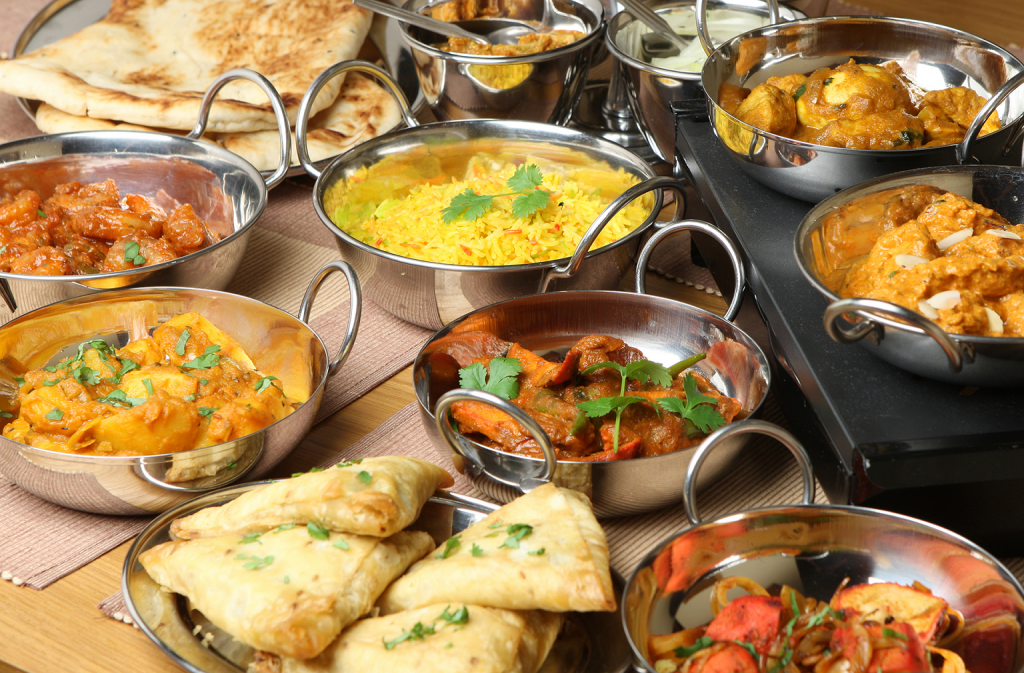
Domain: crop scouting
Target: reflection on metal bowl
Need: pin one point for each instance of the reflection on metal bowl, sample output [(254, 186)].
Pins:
[(549, 83), (278, 344), (933, 56)]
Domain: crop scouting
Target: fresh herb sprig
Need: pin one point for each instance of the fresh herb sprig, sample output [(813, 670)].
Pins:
[(525, 185), (420, 631), (642, 371), (697, 408), (502, 380)]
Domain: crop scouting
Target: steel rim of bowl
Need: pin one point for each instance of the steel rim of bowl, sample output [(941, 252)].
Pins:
[(129, 460), (917, 525), (965, 343), (913, 152), (594, 24)]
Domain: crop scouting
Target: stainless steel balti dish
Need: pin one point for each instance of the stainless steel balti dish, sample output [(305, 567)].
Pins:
[(814, 548), (896, 334), (652, 89), (278, 344), (541, 87), (665, 331), (225, 191), (432, 294), (933, 56)]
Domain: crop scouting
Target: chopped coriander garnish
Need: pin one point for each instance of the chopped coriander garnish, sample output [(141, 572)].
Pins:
[(149, 386), (207, 411), (6, 414), (251, 537), (365, 477), (189, 398), (232, 465), (287, 579), (460, 616), (350, 463), (317, 531), (55, 415), (516, 532), (476, 550), (182, 340), (284, 526), (50, 369), (450, 547), (264, 383), (132, 253), (642, 371), (203, 382), (783, 662), (496, 524), (419, 631), (118, 398), (208, 359), (537, 552), (525, 185), (502, 379), (697, 407), (701, 643), (126, 366), (50, 384), (86, 375), (20, 380), (892, 633), (341, 544), (40, 213), (255, 562)]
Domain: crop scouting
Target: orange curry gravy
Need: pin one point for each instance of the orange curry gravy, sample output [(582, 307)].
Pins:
[(894, 245), (84, 229), (550, 390)]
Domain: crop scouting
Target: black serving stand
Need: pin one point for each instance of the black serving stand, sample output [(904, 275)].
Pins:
[(878, 436)]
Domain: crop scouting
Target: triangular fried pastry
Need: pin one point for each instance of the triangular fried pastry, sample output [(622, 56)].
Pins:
[(375, 496), (450, 638), (542, 551), (289, 591)]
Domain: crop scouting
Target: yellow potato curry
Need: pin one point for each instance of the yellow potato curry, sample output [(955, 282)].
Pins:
[(187, 386), (857, 106), (934, 252)]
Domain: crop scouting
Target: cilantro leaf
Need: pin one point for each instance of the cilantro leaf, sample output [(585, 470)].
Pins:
[(182, 340), (537, 552), (118, 398), (892, 633), (502, 380), (208, 359), (701, 643), (460, 616), (7, 414), (55, 415), (477, 550), (86, 375), (516, 532), (341, 544), (450, 547), (284, 526), (126, 366), (525, 178), (264, 383), (783, 662), (529, 203), (698, 408), (255, 562), (251, 537), (317, 532), (365, 476), (20, 380), (206, 412), (603, 406), (468, 205), (350, 463), (50, 384), (133, 254), (149, 386), (40, 213)]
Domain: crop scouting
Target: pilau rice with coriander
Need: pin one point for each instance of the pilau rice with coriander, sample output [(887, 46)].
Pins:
[(412, 226)]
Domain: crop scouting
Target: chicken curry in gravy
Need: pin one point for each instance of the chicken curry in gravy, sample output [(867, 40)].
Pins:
[(951, 259), (857, 106)]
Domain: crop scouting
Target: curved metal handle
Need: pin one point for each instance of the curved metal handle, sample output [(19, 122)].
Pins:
[(653, 20), (710, 230), (526, 484), (355, 307), (963, 150), (611, 210), (741, 428), (700, 12), (365, 67), (284, 126), (419, 20), (869, 308)]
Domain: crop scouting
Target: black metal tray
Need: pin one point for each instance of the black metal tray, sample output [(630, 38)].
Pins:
[(878, 436)]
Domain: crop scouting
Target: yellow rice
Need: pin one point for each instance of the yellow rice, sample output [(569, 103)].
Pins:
[(412, 226)]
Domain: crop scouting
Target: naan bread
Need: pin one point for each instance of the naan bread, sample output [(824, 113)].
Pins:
[(150, 61), (376, 496), (287, 592), (362, 110), (561, 564), (491, 641)]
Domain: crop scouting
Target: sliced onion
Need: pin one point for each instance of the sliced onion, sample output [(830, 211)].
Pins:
[(908, 261), (995, 323), (927, 310), (955, 238), (1002, 233), (947, 299)]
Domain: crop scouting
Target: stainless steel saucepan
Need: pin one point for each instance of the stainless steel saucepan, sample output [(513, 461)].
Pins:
[(225, 191), (933, 56), (432, 294), (278, 343)]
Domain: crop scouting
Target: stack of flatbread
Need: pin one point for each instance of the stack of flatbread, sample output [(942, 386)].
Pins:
[(149, 62), (312, 573)]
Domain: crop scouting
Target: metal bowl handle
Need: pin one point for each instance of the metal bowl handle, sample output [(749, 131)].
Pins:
[(280, 114), (611, 210), (740, 428), (365, 67), (700, 11), (866, 308), (355, 307), (710, 230), (963, 150), (526, 484)]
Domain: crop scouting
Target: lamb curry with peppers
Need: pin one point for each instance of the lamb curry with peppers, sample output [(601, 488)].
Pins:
[(857, 106), (602, 401)]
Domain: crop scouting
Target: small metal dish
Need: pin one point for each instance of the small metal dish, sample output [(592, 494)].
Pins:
[(934, 56), (224, 189), (896, 334), (590, 642), (279, 344), (551, 81), (813, 548), (665, 331), (431, 294)]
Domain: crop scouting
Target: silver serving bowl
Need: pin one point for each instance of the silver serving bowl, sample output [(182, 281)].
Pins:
[(225, 190), (279, 345), (935, 57), (432, 294), (653, 89), (665, 331), (898, 335), (813, 548), (547, 87)]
